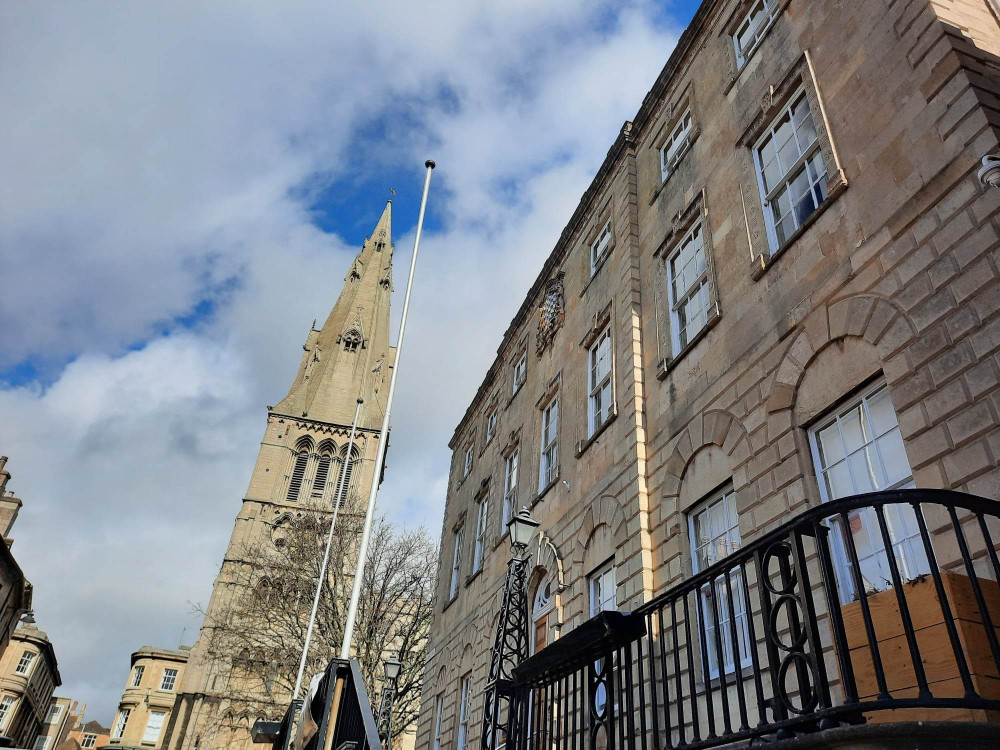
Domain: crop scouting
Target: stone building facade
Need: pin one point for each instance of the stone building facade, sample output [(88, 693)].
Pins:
[(29, 674), (148, 698), (304, 446), (789, 235)]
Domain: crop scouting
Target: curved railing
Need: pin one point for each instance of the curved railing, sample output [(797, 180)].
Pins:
[(810, 626)]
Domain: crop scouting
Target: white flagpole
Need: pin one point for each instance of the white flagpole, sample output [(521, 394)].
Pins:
[(352, 611), (339, 490)]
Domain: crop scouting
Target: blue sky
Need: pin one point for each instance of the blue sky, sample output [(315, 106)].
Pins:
[(180, 200)]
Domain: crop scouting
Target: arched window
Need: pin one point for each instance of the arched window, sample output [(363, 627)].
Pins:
[(540, 608), (322, 477), (302, 450), (344, 483)]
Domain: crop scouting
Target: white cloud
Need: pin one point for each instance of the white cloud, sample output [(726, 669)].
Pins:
[(151, 158)]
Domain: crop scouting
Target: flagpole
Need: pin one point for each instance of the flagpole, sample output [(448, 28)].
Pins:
[(339, 490), (352, 611)]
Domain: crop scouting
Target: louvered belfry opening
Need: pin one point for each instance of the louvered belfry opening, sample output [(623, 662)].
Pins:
[(298, 474), (322, 476), (344, 484), (302, 450)]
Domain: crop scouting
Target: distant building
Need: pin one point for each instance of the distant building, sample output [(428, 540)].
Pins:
[(148, 699), (28, 676), (18, 600), (64, 728), (86, 736), (58, 720)]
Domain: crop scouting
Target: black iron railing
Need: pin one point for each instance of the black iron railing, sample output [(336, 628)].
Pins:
[(811, 626)]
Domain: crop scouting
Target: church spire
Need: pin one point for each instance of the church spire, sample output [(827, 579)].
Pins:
[(349, 356)]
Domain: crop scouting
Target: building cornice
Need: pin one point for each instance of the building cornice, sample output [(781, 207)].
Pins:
[(622, 143)]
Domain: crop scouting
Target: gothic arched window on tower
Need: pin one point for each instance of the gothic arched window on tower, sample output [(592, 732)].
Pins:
[(298, 469), (322, 478), (352, 340), (344, 482)]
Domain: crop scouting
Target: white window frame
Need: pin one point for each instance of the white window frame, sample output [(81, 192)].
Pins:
[(717, 547), (700, 286), (599, 247), (491, 424), (519, 371), (464, 709), (25, 663), (137, 675), (172, 675), (600, 401), (480, 548), (120, 722), (467, 465), (804, 161), (676, 144), (548, 466), (456, 566), (770, 12), (158, 729), (599, 592), (7, 704), (88, 741), (510, 487), (438, 721), (54, 713), (905, 534), (41, 742)]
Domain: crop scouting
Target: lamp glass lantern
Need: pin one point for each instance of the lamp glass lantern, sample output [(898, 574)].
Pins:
[(521, 526), (392, 668)]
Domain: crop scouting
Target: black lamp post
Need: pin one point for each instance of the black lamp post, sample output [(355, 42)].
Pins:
[(511, 645), (392, 668)]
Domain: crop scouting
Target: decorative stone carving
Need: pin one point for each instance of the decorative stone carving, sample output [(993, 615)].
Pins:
[(551, 312)]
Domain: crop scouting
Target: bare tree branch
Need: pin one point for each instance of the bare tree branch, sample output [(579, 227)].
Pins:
[(257, 634)]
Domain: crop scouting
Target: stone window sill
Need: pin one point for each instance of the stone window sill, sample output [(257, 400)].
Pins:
[(544, 491), (761, 263), (669, 363), (473, 576), (582, 445), (449, 602)]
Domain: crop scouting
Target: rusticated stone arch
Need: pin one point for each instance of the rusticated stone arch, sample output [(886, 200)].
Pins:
[(604, 509), (715, 427), (876, 320)]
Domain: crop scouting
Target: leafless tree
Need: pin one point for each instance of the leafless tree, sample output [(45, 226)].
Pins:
[(257, 635)]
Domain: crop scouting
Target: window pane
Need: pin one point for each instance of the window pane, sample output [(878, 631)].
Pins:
[(897, 466), (853, 427), (867, 473), (881, 412), (788, 150), (805, 129), (838, 481), (831, 447)]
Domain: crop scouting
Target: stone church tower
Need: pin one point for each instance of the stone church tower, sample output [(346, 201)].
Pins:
[(304, 444)]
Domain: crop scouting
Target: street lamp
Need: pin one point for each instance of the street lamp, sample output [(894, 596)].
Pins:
[(392, 669), (522, 526), (511, 645)]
